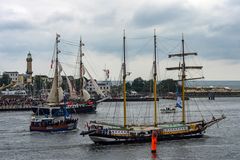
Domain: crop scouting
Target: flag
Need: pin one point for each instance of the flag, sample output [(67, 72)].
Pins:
[(179, 100)]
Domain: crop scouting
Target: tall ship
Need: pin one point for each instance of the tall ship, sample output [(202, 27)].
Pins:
[(49, 122), (79, 101), (108, 133)]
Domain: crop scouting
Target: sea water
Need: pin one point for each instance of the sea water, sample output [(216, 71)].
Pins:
[(221, 141)]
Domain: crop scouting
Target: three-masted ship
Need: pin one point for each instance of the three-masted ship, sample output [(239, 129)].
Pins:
[(106, 133)]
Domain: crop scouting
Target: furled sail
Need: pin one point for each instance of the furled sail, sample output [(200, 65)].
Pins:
[(72, 91), (86, 95), (82, 70), (56, 88), (84, 83)]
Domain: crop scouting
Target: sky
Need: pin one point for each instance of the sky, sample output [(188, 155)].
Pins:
[(210, 28)]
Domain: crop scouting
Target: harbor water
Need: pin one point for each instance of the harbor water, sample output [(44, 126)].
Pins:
[(221, 141)]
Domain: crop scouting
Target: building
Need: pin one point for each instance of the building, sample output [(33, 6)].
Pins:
[(12, 75), (21, 79), (104, 86)]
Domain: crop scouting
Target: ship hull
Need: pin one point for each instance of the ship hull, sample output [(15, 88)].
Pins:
[(56, 111), (54, 128), (103, 139)]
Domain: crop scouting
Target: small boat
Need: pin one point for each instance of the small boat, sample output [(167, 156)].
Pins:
[(173, 109), (49, 122), (169, 109), (109, 133), (52, 124)]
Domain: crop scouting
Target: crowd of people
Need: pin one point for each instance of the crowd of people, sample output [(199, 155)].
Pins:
[(19, 101)]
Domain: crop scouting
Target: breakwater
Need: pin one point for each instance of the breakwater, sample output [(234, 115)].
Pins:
[(217, 94)]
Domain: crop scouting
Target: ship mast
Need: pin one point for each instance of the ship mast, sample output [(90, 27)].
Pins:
[(155, 81), (81, 68), (183, 68), (183, 83), (124, 80), (56, 67)]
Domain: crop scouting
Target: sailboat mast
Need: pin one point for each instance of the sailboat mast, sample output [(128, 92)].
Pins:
[(155, 80), (81, 68), (124, 81), (183, 82), (56, 67)]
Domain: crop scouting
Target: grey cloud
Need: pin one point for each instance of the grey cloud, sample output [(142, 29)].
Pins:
[(16, 44), (105, 19), (218, 46), (148, 16), (227, 29), (15, 25), (104, 33), (232, 2), (106, 43), (60, 17)]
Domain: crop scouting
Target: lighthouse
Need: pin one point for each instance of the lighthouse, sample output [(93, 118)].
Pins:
[(29, 68)]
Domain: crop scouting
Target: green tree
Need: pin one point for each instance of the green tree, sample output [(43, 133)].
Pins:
[(148, 86), (5, 79), (116, 90), (129, 87), (168, 85), (38, 84), (138, 84), (64, 83), (48, 84)]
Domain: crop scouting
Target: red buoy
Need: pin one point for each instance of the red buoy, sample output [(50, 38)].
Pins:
[(154, 141)]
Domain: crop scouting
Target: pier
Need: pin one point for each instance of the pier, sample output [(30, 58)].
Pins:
[(217, 92)]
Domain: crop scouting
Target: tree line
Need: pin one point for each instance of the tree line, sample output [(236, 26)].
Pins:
[(145, 87)]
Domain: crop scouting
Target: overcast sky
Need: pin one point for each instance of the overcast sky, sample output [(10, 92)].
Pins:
[(210, 27)]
